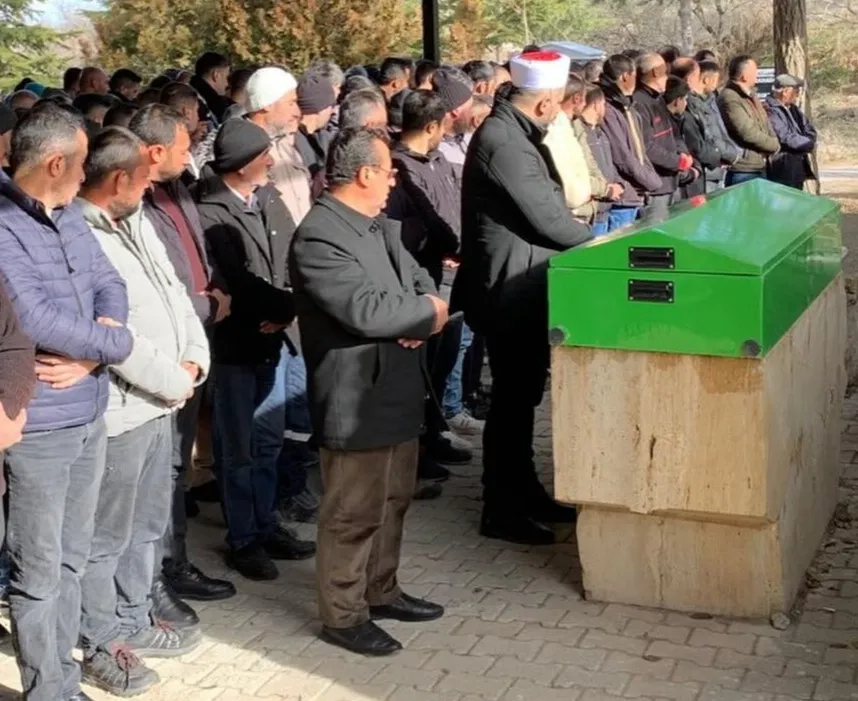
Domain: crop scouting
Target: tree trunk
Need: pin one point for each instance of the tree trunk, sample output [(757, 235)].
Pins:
[(525, 23), (686, 26), (791, 55)]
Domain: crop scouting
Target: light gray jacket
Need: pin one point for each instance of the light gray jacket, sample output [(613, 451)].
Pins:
[(166, 329)]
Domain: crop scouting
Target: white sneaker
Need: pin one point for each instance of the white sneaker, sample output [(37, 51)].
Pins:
[(466, 425)]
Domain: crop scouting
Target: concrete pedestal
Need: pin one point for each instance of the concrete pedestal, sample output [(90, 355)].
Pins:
[(706, 484)]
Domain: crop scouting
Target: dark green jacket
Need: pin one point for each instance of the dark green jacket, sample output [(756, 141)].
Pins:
[(748, 125)]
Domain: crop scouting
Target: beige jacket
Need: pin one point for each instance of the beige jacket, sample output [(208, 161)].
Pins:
[(291, 177), (598, 183), (571, 164)]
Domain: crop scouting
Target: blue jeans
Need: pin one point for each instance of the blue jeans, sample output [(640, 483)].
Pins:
[(621, 216), (734, 178), (134, 507), (453, 400), (54, 481), (250, 417), (296, 455), (600, 228)]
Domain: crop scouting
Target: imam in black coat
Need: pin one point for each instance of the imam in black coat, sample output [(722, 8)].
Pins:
[(514, 218)]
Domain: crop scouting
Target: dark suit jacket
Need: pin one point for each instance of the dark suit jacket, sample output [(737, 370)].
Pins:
[(357, 291)]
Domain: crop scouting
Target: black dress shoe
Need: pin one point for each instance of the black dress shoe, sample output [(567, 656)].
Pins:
[(515, 529), (192, 509), (441, 450), (549, 511), (408, 608), (429, 469), (253, 562), (426, 491), (188, 582), (168, 608), (365, 639), (284, 545), (208, 492)]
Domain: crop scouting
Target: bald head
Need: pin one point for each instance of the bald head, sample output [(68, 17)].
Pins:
[(652, 71), (688, 70)]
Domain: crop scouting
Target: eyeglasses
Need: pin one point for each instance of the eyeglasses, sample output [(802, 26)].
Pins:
[(391, 173)]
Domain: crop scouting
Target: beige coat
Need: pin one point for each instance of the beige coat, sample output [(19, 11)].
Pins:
[(571, 164), (291, 177)]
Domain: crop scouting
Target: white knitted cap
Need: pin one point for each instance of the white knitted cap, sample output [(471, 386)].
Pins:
[(267, 85)]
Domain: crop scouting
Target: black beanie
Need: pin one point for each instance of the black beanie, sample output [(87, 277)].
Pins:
[(676, 88), (453, 92), (315, 94), (8, 119), (237, 143)]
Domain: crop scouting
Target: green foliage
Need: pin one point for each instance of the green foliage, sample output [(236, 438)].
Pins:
[(152, 35), (522, 22), (26, 50), (468, 24)]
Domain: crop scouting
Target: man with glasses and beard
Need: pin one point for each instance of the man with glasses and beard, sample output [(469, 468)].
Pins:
[(514, 217)]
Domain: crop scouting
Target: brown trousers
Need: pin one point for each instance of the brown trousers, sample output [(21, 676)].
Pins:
[(366, 495)]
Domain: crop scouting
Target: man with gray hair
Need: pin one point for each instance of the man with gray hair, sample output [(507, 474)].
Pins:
[(364, 108), (514, 218), (329, 71), (791, 166), (72, 304), (170, 358), (363, 303)]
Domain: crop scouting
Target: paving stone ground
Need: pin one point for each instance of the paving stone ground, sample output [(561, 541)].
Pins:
[(517, 628)]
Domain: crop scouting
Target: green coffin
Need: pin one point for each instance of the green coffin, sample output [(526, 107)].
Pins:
[(727, 275)]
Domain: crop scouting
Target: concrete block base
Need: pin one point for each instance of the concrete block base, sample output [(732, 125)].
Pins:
[(705, 484)]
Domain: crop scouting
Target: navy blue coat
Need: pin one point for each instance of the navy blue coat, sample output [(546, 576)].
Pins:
[(60, 281), (791, 165)]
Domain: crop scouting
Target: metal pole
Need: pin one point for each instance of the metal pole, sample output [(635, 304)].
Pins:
[(431, 35)]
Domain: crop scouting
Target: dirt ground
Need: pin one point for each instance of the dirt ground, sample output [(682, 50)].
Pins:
[(846, 192), (836, 117)]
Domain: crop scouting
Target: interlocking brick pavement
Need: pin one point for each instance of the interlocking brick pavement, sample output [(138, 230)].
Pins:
[(517, 628)]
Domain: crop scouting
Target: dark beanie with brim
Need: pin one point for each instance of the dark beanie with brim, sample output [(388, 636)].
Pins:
[(8, 119), (315, 95), (238, 142)]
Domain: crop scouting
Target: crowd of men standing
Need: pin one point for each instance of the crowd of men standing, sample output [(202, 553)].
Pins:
[(322, 263)]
